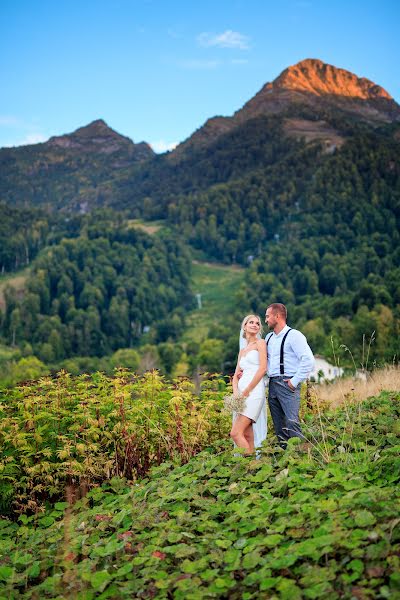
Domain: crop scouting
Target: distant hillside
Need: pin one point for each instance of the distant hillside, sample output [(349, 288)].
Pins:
[(96, 289), (66, 170), (23, 232)]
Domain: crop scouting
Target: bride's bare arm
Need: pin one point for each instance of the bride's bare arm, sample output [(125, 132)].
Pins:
[(262, 351), (235, 378)]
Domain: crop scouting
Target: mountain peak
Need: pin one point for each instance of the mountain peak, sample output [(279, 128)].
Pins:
[(316, 77), (98, 125), (97, 132), (98, 137), (308, 87), (318, 85)]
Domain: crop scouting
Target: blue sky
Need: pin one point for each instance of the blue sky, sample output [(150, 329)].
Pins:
[(155, 70)]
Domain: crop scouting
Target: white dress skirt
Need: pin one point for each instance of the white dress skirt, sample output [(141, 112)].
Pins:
[(255, 401)]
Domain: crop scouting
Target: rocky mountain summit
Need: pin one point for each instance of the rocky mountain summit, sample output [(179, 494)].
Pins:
[(98, 137), (314, 76), (314, 83), (310, 86)]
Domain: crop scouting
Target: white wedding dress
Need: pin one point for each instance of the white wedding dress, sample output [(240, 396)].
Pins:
[(255, 402)]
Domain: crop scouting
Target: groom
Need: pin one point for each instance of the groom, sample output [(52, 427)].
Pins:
[(290, 361)]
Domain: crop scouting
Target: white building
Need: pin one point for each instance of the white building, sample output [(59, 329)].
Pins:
[(324, 370)]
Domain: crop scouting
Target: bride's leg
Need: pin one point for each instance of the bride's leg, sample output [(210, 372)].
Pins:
[(249, 435), (238, 433)]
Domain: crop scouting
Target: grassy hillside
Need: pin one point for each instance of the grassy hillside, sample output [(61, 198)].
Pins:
[(320, 523), (217, 284), (150, 227)]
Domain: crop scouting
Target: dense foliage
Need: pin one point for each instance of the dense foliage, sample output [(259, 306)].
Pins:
[(79, 431), (175, 185), (320, 230), (336, 263), (23, 232), (96, 292), (289, 525)]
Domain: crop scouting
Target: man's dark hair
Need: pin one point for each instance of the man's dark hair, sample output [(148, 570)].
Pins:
[(279, 308)]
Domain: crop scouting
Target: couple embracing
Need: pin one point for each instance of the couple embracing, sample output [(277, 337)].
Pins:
[(285, 356)]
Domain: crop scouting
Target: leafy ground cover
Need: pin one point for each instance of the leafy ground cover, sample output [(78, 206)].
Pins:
[(318, 521)]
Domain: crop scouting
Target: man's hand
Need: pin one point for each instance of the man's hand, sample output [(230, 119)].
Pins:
[(239, 374), (290, 384)]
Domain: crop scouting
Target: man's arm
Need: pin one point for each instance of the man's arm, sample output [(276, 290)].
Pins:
[(304, 355)]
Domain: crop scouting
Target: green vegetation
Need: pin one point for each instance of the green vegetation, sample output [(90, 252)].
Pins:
[(320, 521), (23, 232), (149, 227), (95, 292), (331, 264), (15, 281), (210, 339), (209, 336), (16, 365), (171, 510), (83, 430), (218, 286)]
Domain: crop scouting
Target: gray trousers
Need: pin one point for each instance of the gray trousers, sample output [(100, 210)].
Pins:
[(284, 405)]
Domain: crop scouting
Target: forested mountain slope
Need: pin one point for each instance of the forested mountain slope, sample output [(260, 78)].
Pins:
[(302, 184), (96, 290), (65, 171)]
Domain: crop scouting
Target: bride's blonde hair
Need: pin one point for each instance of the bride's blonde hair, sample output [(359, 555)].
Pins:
[(244, 323)]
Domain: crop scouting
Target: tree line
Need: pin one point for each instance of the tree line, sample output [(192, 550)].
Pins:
[(99, 291)]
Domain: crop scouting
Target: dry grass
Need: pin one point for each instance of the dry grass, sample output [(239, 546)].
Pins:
[(150, 228), (358, 389)]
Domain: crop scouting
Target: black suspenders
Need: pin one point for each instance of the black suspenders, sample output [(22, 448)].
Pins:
[(281, 363)]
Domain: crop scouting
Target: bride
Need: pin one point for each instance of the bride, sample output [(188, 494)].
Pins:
[(249, 427)]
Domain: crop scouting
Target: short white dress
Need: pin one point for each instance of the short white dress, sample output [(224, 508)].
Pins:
[(255, 401)]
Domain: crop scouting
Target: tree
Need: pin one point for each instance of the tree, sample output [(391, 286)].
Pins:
[(169, 354), (211, 355), (127, 358), (25, 369)]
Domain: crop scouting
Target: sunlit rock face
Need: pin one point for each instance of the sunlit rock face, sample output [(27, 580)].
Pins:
[(312, 86), (314, 76)]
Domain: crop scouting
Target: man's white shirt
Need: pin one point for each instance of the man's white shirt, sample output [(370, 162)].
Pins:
[(298, 357)]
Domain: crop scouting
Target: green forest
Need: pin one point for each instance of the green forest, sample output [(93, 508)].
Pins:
[(317, 230), (97, 290)]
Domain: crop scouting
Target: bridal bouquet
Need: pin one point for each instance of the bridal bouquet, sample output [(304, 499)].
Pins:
[(234, 403)]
